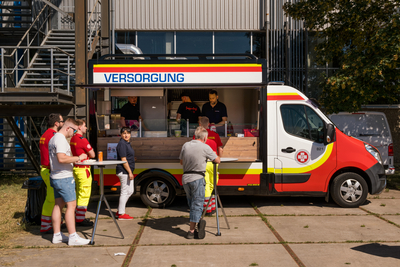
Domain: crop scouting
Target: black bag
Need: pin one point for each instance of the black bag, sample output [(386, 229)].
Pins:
[(35, 199)]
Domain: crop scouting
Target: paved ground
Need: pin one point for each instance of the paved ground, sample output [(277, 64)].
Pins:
[(284, 231)]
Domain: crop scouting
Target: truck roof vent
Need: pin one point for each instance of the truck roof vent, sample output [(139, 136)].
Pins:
[(276, 83)]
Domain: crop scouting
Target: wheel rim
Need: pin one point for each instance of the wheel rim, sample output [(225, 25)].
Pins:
[(157, 192), (351, 190)]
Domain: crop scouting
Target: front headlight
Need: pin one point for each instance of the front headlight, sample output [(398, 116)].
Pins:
[(374, 152)]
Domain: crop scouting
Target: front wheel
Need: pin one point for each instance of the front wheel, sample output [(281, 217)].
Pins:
[(157, 192), (349, 190)]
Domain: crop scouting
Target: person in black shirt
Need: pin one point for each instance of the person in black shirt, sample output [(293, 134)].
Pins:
[(130, 114), (187, 110), (124, 172), (214, 110)]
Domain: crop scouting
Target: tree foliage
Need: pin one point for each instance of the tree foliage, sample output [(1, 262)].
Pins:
[(364, 37)]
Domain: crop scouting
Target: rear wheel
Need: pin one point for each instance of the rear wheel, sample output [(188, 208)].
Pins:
[(157, 192), (349, 190)]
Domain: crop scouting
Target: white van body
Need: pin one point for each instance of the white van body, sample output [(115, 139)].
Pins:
[(371, 127)]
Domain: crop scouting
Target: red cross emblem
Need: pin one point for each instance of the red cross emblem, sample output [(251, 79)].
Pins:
[(302, 156)]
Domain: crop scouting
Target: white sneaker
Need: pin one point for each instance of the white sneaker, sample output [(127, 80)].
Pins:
[(60, 238), (78, 241)]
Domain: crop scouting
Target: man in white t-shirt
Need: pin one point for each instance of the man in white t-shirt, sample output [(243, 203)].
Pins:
[(62, 180)]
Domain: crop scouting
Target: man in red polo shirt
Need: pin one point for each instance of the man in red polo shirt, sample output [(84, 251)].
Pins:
[(82, 175), (55, 122), (214, 141)]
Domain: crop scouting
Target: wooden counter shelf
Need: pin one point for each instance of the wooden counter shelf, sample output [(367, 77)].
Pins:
[(168, 149)]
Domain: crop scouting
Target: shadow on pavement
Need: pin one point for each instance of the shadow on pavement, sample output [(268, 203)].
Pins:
[(169, 224), (380, 250)]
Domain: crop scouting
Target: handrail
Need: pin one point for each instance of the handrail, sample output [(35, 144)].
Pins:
[(28, 30), (91, 13), (96, 23), (39, 47)]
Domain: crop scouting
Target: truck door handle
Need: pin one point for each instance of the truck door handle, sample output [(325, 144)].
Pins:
[(288, 150)]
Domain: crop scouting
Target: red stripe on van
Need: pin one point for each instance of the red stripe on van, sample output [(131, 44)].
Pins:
[(284, 97)]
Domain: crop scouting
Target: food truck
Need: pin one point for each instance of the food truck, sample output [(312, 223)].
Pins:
[(283, 143)]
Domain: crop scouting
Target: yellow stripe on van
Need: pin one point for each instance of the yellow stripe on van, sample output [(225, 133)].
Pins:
[(311, 167)]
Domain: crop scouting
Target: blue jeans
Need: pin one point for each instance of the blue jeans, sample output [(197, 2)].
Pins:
[(195, 196), (64, 188)]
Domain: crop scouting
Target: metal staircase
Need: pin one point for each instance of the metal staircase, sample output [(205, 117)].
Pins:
[(15, 16), (37, 75), (13, 157), (53, 67)]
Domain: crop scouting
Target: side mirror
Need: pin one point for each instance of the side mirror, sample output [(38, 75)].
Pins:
[(329, 134)]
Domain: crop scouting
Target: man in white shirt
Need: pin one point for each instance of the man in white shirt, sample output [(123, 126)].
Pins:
[(62, 180)]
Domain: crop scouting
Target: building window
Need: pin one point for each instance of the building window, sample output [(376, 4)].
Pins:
[(156, 42), (232, 42), (194, 42), (126, 38)]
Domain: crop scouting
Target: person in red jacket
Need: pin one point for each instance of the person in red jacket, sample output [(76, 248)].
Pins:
[(214, 141), (82, 175), (55, 122)]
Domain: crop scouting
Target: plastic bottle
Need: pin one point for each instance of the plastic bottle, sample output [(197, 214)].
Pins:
[(230, 129)]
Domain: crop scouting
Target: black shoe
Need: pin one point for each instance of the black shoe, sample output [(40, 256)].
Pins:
[(189, 235), (85, 222), (201, 226)]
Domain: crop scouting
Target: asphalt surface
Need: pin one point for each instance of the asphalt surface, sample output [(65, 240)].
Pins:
[(264, 231)]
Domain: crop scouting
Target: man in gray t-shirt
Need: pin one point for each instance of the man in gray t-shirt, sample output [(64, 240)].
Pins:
[(194, 155)]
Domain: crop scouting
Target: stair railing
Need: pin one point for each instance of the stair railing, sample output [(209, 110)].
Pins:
[(42, 19), (94, 26), (51, 69)]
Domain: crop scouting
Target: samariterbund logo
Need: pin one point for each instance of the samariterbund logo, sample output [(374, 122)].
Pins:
[(193, 109), (302, 157)]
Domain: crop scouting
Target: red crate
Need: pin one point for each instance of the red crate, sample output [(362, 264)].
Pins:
[(251, 133)]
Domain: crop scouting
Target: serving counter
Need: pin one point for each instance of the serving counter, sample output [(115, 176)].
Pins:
[(168, 148)]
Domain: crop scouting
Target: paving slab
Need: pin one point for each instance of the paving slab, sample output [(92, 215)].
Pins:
[(70, 256), (173, 230), (106, 234), (134, 207), (354, 255), (383, 206), (301, 206), (392, 218), (334, 228), (387, 193), (212, 256), (179, 207)]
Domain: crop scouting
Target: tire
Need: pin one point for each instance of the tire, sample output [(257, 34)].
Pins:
[(157, 192), (349, 190)]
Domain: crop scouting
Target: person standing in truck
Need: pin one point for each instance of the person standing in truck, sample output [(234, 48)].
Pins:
[(187, 111), (193, 157), (215, 111), (130, 114), (55, 122), (82, 175)]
